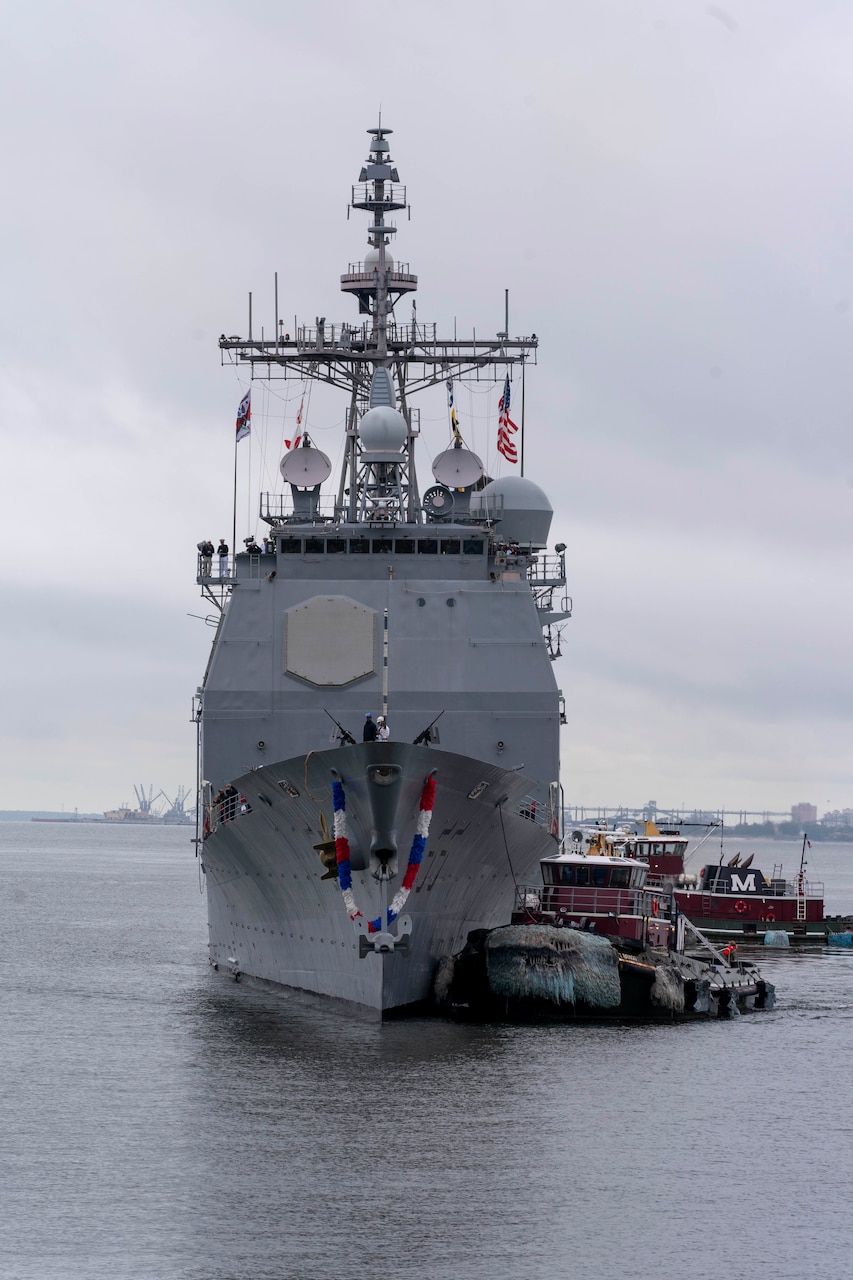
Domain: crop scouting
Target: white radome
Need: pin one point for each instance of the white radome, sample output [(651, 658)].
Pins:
[(382, 430)]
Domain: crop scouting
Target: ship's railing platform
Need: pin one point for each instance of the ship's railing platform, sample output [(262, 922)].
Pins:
[(366, 271), (376, 538), (351, 339), (586, 900)]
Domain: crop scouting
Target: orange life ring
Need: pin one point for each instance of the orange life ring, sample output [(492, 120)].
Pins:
[(771, 917), (740, 907), (655, 907)]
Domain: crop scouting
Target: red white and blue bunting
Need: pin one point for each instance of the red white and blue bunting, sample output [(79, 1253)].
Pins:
[(416, 853)]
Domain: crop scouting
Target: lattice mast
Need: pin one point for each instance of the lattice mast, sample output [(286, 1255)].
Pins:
[(380, 363)]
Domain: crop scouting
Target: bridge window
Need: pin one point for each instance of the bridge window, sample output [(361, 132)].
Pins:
[(405, 546), (581, 875), (382, 546), (599, 877), (473, 546), (619, 877), (450, 546), (315, 546), (336, 546), (291, 546), (428, 546), (359, 546)]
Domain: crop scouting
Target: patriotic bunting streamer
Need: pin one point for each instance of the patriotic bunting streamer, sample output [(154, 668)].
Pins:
[(416, 853)]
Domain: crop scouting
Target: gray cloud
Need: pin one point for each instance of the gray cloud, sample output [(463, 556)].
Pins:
[(665, 195)]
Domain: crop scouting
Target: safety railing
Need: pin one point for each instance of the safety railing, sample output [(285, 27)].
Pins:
[(366, 270), (578, 900), (225, 806), (547, 570)]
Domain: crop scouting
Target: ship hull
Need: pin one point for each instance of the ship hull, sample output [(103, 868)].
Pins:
[(275, 919)]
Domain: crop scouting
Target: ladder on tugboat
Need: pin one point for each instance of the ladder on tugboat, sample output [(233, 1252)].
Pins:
[(801, 897)]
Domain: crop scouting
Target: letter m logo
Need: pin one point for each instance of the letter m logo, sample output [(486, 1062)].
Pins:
[(746, 885)]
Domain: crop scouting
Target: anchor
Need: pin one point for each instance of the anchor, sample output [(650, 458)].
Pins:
[(383, 942)]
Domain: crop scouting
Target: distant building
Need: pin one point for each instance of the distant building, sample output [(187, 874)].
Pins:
[(838, 818), (803, 813)]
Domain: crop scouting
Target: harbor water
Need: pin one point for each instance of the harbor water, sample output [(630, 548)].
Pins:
[(164, 1123)]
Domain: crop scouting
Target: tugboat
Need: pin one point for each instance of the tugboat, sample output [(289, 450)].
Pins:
[(344, 858), (735, 899), (596, 942)]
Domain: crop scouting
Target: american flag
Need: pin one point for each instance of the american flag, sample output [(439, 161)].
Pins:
[(244, 415), (506, 444)]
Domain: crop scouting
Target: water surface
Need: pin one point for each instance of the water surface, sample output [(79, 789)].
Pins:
[(163, 1123)]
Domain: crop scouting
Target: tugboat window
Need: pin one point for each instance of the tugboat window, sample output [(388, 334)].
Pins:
[(599, 877), (582, 875), (619, 877)]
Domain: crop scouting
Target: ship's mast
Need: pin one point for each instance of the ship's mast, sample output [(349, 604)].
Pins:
[(380, 363)]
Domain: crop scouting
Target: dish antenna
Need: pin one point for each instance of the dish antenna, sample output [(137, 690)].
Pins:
[(305, 467), (457, 468)]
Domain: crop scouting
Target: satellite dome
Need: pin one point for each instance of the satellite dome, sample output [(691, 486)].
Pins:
[(520, 509), (383, 430), (371, 260)]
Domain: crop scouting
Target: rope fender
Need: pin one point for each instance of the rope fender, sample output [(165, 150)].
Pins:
[(416, 853)]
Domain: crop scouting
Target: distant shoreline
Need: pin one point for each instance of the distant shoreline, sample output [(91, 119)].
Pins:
[(46, 815)]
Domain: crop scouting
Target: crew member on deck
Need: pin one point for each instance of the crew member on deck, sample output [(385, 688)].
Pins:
[(383, 733), (222, 552), (206, 552), (369, 734)]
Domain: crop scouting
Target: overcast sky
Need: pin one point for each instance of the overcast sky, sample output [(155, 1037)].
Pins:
[(664, 186)]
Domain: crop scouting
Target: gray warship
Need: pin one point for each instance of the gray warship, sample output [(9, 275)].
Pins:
[(337, 867)]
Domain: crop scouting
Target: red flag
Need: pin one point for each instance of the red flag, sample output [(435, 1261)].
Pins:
[(244, 415), (298, 436)]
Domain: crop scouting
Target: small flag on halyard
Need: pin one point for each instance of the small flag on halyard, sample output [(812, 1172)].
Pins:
[(294, 443), (506, 444), (454, 421), (244, 415)]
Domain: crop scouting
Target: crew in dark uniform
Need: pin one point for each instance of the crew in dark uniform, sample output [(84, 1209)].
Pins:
[(222, 552), (369, 734), (206, 552)]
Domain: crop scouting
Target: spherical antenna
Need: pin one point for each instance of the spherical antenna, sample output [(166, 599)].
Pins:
[(305, 467), (382, 430), (457, 468)]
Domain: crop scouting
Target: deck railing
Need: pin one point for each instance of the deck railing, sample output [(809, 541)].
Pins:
[(585, 900)]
